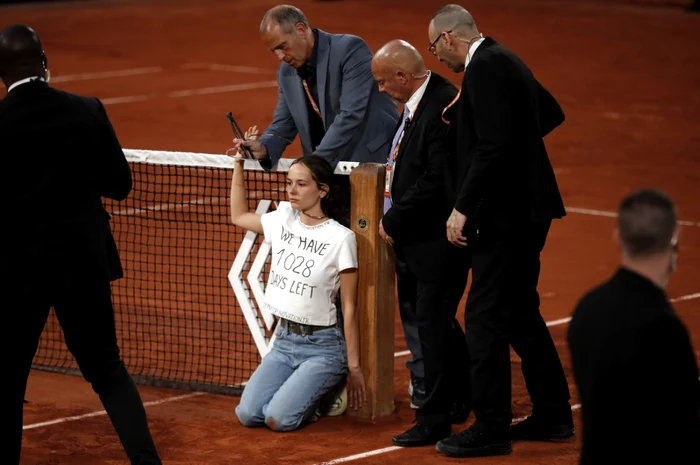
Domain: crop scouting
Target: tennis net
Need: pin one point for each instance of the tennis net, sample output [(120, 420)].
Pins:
[(186, 310)]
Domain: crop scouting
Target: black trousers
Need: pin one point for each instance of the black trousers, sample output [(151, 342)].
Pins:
[(502, 310), (441, 337), (81, 297)]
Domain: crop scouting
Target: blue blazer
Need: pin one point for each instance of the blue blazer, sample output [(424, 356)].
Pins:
[(360, 122)]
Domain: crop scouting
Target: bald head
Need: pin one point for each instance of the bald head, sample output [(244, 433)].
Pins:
[(399, 55), (454, 18), (399, 70), (21, 53)]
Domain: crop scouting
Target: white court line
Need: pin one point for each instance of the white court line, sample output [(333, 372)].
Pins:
[(220, 67), (102, 412), (686, 297), (133, 98), (157, 69), (589, 211), (384, 450), (221, 89), (362, 455), (190, 92), (562, 321), (106, 74), (558, 322)]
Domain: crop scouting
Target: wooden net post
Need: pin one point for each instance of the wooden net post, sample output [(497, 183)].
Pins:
[(376, 290)]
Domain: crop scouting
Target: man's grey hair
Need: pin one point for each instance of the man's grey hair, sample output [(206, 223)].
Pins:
[(454, 18), (287, 16), (647, 221)]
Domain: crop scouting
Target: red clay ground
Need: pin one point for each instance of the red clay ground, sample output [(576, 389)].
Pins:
[(626, 76)]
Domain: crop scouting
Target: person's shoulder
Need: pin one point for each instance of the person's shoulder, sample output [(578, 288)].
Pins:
[(78, 101), (596, 298), (443, 91), (341, 231), (283, 209), (347, 41)]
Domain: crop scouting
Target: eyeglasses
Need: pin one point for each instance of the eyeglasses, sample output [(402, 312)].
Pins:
[(432, 49)]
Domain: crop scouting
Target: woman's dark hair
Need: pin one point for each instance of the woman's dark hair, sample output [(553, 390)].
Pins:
[(334, 203)]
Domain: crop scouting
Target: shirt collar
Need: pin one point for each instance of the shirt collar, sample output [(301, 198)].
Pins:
[(414, 100), (308, 69), (470, 52), (24, 81)]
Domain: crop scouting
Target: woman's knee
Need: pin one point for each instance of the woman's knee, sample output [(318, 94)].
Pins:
[(283, 421), (248, 417)]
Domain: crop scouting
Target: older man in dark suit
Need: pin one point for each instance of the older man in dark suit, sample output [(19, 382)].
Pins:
[(326, 94), (505, 198), (61, 156), (416, 208)]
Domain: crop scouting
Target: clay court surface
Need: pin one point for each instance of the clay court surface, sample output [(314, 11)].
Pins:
[(626, 75)]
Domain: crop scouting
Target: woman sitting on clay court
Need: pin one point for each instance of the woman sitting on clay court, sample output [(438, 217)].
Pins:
[(313, 256)]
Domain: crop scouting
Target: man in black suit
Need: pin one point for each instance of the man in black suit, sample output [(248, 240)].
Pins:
[(61, 155), (415, 211), (633, 360), (505, 197)]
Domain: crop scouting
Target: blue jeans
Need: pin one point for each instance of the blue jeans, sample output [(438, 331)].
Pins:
[(287, 387)]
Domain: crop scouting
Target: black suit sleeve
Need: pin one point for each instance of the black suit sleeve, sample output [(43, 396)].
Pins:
[(486, 87), (114, 175), (427, 187), (551, 114)]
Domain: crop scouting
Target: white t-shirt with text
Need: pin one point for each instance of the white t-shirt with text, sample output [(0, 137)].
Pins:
[(306, 264)]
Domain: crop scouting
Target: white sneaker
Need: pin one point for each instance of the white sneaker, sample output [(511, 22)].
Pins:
[(334, 403), (340, 403)]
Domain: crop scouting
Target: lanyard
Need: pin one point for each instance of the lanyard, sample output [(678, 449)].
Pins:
[(311, 99)]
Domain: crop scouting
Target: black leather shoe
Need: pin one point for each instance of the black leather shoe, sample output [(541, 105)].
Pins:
[(459, 412), (532, 429), (422, 435), (470, 443)]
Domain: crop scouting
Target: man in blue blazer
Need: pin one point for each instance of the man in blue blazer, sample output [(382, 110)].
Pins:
[(327, 95)]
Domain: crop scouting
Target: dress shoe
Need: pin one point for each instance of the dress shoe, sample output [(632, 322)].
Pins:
[(533, 429), (422, 435), (471, 443)]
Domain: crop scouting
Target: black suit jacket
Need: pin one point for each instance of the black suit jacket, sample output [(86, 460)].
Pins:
[(502, 173), (416, 220), (636, 373), (60, 156)]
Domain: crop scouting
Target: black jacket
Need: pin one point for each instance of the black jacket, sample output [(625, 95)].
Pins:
[(60, 156), (416, 220), (502, 175), (636, 373)]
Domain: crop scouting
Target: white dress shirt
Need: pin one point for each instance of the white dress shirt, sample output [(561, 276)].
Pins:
[(24, 81), (470, 52), (414, 100), (412, 105)]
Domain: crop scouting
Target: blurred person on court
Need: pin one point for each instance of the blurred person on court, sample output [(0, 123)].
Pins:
[(504, 197), (327, 95), (63, 156), (428, 290), (313, 258), (633, 360)]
